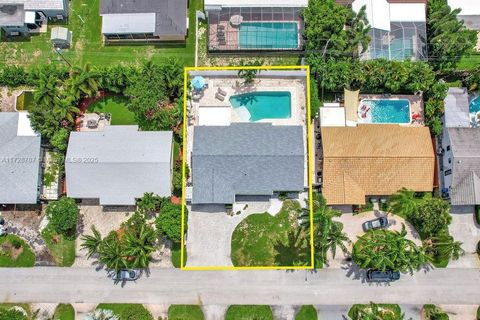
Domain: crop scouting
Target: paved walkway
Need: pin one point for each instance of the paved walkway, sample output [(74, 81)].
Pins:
[(460, 312), (333, 312), (173, 286)]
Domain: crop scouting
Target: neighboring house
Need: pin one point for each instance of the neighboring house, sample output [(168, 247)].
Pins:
[(20, 17), (118, 165), (20, 155), (246, 159), (375, 160), (144, 20), (251, 25), (470, 12), (460, 170), (398, 28)]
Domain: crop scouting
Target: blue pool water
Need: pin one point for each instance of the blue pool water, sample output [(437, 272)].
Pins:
[(262, 105), (388, 111), (268, 35), (475, 105)]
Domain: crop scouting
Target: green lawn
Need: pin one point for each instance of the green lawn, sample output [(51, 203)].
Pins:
[(249, 312), (117, 106), (85, 23), (435, 313), (176, 254), (265, 240), (388, 311), (64, 312), (185, 312), (8, 248), (470, 62), (62, 250), (307, 312), (127, 311)]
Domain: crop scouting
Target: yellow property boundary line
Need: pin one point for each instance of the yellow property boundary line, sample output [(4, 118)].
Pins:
[(309, 167)]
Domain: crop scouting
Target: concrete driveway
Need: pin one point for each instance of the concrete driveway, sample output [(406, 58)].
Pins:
[(210, 229), (464, 229), (352, 226)]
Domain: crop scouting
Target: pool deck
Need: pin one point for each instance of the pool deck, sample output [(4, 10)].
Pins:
[(417, 115), (234, 86)]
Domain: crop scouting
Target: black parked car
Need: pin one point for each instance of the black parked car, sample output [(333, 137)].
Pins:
[(378, 223), (382, 276)]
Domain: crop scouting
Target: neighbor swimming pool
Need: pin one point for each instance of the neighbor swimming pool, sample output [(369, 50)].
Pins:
[(261, 105), (268, 35), (386, 110), (475, 105)]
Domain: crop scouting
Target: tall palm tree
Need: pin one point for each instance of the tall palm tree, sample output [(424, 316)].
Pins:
[(84, 82), (358, 32), (111, 253), (294, 252), (91, 243), (65, 109), (444, 245), (403, 202), (140, 246), (46, 91)]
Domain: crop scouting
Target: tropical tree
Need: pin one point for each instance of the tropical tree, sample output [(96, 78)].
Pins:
[(111, 252), (375, 311), (431, 216), (444, 246), (388, 250), (62, 216), (169, 221), (447, 37), (433, 312), (358, 32), (403, 202), (140, 246), (295, 251), (249, 75), (91, 243), (83, 82), (46, 91), (65, 109), (150, 202)]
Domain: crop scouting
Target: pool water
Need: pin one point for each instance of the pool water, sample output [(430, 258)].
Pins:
[(475, 105), (388, 111), (268, 35), (261, 105)]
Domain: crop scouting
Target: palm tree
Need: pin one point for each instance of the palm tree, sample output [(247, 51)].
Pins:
[(65, 109), (294, 252), (358, 32), (403, 203), (46, 91), (140, 246), (84, 82), (111, 253), (374, 311), (445, 246), (91, 243)]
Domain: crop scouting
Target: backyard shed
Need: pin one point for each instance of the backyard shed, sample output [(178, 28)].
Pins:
[(61, 37)]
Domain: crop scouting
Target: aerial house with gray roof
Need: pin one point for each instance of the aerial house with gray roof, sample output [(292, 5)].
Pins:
[(20, 17), (20, 154), (246, 159), (118, 165), (144, 20)]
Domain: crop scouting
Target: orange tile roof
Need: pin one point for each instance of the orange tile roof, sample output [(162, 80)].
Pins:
[(375, 160)]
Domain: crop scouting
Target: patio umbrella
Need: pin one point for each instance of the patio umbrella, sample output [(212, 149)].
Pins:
[(198, 82)]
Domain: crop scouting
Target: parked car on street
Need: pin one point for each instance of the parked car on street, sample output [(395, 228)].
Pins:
[(382, 276), (126, 275), (374, 224)]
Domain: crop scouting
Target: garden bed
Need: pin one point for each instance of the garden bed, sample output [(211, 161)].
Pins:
[(15, 252), (385, 311), (127, 311)]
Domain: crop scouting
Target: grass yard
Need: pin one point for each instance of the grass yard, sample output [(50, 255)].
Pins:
[(15, 252), (387, 311), (185, 312), (249, 312), (64, 312), (307, 312), (127, 311), (265, 240), (62, 250), (470, 62), (176, 254), (87, 47), (117, 106)]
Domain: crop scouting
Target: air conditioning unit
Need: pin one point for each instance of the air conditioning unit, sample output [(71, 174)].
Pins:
[(59, 17), (14, 33)]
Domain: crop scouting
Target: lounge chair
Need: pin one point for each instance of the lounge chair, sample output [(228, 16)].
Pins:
[(219, 96), (221, 92)]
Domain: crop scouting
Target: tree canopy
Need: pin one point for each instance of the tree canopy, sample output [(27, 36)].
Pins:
[(63, 216)]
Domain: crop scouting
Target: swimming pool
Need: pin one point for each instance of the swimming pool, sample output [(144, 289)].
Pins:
[(255, 106), (385, 110), (475, 105), (268, 35)]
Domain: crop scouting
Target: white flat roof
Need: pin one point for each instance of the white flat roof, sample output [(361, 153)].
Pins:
[(414, 12), (468, 7), (125, 23), (214, 116), (24, 128), (29, 16), (332, 116), (257, 3)]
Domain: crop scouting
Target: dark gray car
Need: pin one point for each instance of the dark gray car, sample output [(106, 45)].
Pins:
[(374, 224), (126, 275), (382, 276)]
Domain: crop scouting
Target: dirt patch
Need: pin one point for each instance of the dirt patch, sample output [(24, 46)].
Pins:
[(8, 249)]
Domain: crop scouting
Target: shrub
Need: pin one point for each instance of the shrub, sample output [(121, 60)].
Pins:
[(63, 215), (16, 243), (12, 76), (169, 221), (432, 312), (59, 139), (477, 214), (12, 314), (431, 216), (314, 99)]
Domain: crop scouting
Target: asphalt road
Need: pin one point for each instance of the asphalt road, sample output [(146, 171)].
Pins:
[(173, 286)]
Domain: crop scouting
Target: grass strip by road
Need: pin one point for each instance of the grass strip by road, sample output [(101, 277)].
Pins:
[(127, 311), (61, 248), (249, 312), (307, 312), (64, 312), (15, 252), (185, 312)]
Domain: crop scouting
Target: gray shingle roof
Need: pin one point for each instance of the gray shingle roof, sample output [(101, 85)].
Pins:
[(457, 108), (465, 144), (35, 5), (119, 164), (19, 162), (246, 159), (170, 17)]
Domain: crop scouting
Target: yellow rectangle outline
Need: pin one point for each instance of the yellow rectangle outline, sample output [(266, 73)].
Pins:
[(309, 168)]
